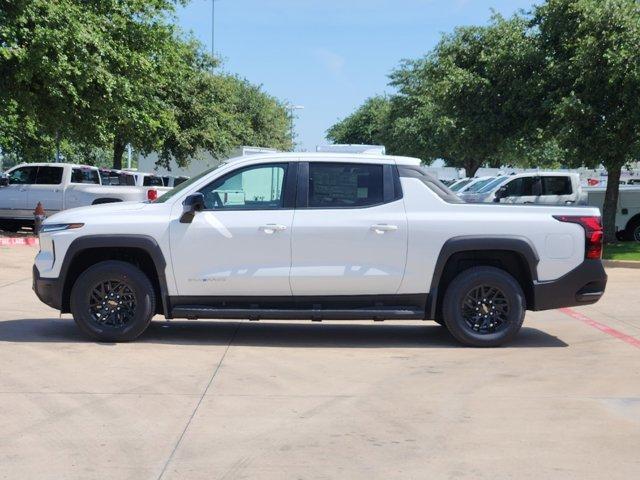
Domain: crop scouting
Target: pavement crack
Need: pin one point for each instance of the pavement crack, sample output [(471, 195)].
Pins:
[(13, 283), (195, 410)]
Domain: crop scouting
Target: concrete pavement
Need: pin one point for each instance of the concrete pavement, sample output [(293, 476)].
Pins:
[(234, 400)]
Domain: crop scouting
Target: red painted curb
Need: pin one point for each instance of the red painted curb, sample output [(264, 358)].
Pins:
[(633, 341), (19, 241)]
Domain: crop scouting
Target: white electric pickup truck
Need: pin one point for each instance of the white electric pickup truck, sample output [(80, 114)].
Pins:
[(57, 186), (318, 236)]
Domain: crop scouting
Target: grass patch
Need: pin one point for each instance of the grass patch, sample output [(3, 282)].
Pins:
[(622, 251)]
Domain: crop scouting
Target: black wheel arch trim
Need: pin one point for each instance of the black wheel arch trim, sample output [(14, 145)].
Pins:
[(142, 242), (461, 244)]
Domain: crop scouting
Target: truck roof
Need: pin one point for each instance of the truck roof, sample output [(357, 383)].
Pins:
[(328, 157), (52, 164)]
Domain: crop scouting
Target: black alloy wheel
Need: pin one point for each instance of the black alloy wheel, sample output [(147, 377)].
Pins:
[(485, 309), (113, 301), (112, 304)]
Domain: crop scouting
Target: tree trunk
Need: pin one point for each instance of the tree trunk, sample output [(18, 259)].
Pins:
[(471, 167), (118, 152), (611, 202)]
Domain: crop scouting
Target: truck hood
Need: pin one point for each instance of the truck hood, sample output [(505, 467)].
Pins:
[(82, 214)]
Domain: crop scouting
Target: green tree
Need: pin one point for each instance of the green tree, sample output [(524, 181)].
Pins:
[(67, 67), (91, 76), (593, 84), (368, 125), (263, 119), (472, 95)]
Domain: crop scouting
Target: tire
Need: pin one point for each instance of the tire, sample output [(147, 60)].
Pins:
[(9, 226), (125, 314), (504, 305), (632, 232)]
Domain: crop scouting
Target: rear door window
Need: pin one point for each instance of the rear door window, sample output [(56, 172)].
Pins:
[(85, 176), (152, 181), (556, 185), (345, 185)]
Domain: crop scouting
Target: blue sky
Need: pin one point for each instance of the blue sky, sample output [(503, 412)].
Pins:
[(328, 55)]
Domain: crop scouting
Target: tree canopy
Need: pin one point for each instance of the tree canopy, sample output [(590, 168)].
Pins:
[(592, 84), (555, 87), (100, 74)]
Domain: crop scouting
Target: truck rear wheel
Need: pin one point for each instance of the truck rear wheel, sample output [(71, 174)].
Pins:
[(113, 301), (632, 231), (484, 307)]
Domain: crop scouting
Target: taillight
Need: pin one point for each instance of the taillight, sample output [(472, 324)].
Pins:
[(152, 194), (593, 232)]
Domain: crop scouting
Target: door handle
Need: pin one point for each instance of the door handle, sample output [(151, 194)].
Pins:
[(382, 228), (271, 228)]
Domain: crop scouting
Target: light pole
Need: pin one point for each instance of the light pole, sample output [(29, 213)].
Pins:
[(291, 109), (213, 27)]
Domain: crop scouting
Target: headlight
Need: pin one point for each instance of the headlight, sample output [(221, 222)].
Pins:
[(58, 227)]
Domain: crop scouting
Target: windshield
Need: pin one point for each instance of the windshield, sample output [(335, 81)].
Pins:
[(186, 184), (478, 185), (459, 184), (493, 184)]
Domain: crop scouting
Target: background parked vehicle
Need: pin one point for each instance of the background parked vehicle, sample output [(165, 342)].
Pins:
[(485, 192), (458, 184), (627, 213), (474, 184), (548, 188), (117, 177), (57, 186)]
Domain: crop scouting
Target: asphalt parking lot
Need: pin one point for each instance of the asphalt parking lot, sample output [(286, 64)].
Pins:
[(233, 400)]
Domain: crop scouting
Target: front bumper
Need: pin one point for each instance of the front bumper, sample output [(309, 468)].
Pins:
[(48, 290), (583, 285)]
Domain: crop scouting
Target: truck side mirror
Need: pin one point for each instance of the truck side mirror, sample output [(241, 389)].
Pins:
[(192, 204), (501, 193), (4, 180)]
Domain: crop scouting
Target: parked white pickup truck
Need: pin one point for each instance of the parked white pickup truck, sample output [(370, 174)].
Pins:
[(546, 188), (318, 236), (57, 186)]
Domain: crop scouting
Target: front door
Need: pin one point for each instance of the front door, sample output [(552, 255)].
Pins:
[(349, 231), (47, 189), (240, 245), (522, 190), (14, 197)]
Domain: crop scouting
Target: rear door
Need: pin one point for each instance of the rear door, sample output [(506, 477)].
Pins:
[(349, 230), (80, 176), (557, 190), (47, 189), (14, 201)]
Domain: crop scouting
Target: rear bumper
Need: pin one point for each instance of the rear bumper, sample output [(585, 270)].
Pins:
[(48, 290), (583, 285)]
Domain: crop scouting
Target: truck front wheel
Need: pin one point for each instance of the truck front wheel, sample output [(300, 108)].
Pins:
[(484, 307), (113, 301)]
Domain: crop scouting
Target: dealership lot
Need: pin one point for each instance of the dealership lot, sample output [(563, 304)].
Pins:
[(307, 400)]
